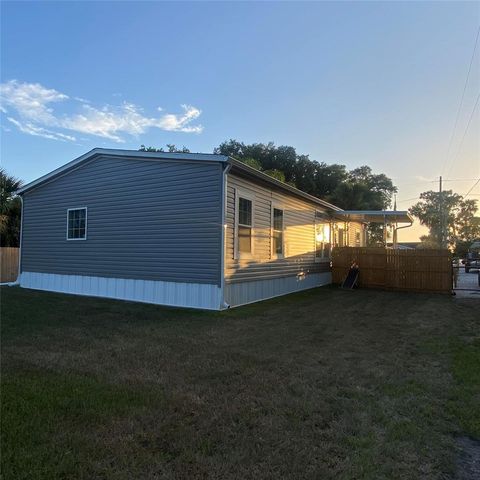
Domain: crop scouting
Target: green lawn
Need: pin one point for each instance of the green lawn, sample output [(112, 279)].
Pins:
[(326, 384)]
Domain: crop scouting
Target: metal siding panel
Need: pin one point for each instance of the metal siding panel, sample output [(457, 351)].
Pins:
[(152, 220), (240, 293), (192, 295)]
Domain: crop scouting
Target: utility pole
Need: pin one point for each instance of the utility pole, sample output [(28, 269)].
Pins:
[(395, 239), (441, 211)]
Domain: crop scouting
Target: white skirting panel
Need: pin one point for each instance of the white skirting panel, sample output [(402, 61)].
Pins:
[(248, 292), (193, 295)]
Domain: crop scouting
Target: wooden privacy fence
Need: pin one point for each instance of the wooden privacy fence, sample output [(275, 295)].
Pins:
[(407, 270), (8, 264)]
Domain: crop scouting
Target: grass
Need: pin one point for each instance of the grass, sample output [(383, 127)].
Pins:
[(321, 384)]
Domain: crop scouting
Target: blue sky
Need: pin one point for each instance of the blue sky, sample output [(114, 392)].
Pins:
[(351, 83)]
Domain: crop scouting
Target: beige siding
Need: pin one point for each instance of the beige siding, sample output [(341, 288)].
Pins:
[(350, 230), (353, 228), (299, 235)]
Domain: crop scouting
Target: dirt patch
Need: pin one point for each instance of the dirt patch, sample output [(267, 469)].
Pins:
[(468, 461)]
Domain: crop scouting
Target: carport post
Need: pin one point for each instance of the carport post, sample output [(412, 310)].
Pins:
[(384, 230)]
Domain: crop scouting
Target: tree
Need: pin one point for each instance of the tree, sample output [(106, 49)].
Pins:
[(427, 242), (257, 155), (449, 212), (10, 210), (359, 189), (171, 148), (251, 162)]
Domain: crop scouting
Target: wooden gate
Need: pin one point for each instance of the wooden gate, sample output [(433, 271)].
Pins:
[(407, 270), (8, 264)]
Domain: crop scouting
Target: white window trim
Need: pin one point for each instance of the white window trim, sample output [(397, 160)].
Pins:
[(86, 224), (359, 235), (322, 221), (248, 196), (278, 206), (337, 226)]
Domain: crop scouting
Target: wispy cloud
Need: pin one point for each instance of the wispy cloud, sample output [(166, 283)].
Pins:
[(37, 131), (30, 107)]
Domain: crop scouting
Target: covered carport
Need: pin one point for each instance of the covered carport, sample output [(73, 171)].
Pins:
[(387, 218)]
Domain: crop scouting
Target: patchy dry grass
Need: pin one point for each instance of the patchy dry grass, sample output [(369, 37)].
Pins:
[(322, 384)]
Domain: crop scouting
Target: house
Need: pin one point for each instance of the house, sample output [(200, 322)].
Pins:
[(183, 229), (404, 245)]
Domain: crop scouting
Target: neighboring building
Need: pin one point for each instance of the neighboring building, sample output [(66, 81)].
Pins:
[(404, 245), (184, 229)]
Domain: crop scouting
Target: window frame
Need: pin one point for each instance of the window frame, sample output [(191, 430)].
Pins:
[(276, 206), (358, 237), (240, 193), (321, 218), (339, 228), (86, 224)]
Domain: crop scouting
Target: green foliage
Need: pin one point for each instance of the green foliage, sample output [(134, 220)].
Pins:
[(358, 189), (461, 248), (251, 162), (449, 210), (427, 242), (171, 148), (277, 174), (10, 210)]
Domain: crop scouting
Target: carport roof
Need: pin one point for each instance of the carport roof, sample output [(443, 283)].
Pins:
[(374, 216)]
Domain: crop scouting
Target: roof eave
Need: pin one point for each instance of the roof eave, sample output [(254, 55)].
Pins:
[(284, 186), (398, 216), (121, 153)]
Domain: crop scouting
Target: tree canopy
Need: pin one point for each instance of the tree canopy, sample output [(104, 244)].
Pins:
[(449, 217), (359, 189), (171, 148), (10, 210)]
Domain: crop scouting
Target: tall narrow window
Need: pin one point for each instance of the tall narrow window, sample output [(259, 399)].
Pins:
[(341, 237), (357, 238), (277, 237), (322, 237), (244, 225), (77, 224)]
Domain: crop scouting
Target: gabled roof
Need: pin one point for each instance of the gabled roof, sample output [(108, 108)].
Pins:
[(111, 152), (237, 166), (202, 157)]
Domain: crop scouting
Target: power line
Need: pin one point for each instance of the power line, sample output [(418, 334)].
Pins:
[(474, 185), (459, 180), (418, 183), (407, 199), (423, 182), (465, 133), (461, 102)]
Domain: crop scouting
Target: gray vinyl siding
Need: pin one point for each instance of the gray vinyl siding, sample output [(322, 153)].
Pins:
[(147, 219), (299, 233)]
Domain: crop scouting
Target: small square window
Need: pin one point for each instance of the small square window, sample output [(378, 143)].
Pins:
[(77, 223)]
